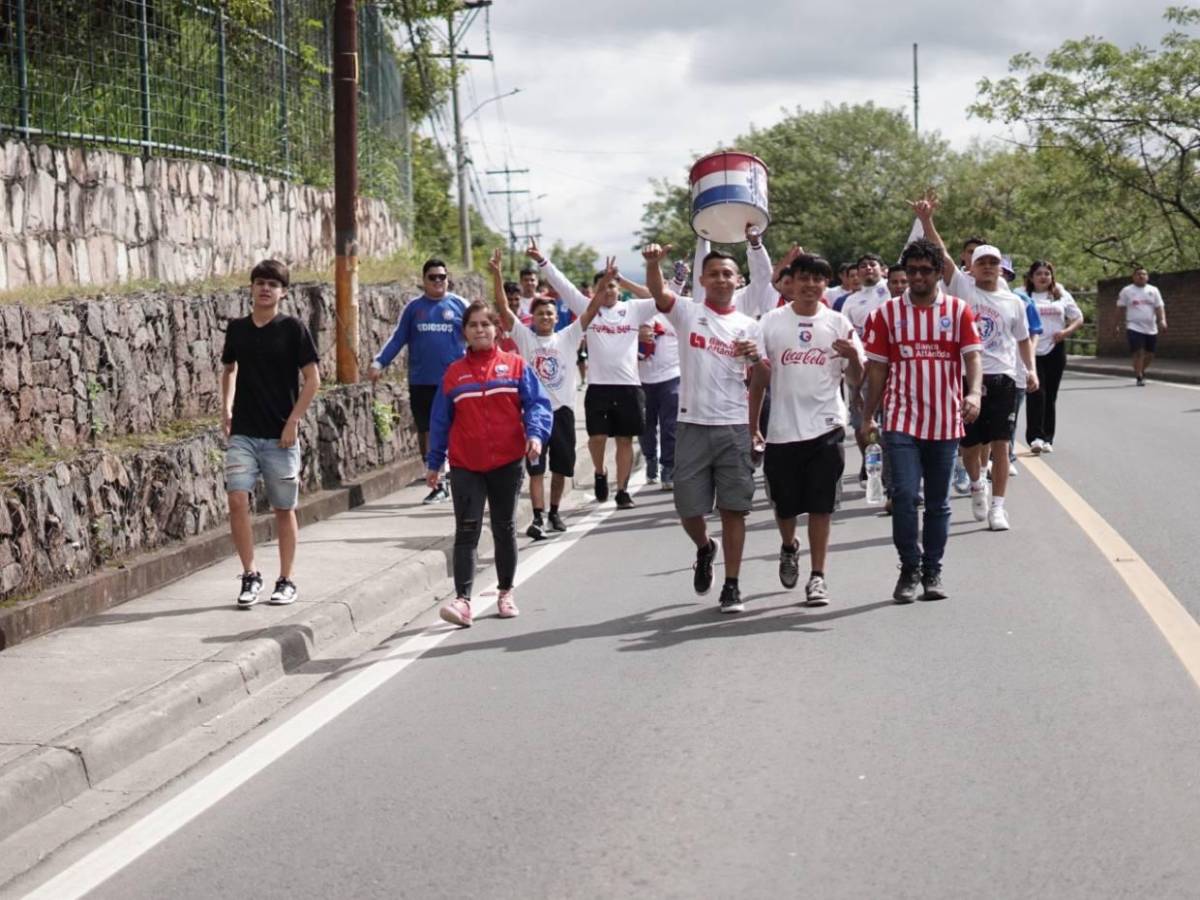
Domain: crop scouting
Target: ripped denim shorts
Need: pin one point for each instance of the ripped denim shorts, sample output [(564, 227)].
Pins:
[(246, 458)]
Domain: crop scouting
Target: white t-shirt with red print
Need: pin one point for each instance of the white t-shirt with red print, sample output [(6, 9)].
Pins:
[(806, 374), (712, 380)]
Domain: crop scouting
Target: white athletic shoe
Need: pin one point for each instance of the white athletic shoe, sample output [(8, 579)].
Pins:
[(1036, 446), (997, 519), (1047, 447), (1012, 470), (979, 502)]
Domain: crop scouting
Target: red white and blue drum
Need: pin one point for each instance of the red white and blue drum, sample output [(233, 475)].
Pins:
[(729, 192)]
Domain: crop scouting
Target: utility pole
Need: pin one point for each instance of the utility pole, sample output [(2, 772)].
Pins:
[(345, 186), (460, 156), (528, 232), (508, 195), (916, 95), (460, 152)]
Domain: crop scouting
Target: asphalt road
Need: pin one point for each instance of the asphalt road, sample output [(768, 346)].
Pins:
[(1031, 736)]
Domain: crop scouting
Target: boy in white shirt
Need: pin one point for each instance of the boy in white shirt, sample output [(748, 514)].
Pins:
[(807, 350), (551, 355), (1145, 314)]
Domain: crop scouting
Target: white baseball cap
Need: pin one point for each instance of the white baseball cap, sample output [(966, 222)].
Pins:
[(986, 250)]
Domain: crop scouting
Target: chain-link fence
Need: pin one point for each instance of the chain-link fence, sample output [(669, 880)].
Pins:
[(246, 83)]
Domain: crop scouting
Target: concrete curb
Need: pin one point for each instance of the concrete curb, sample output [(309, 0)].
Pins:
[(103, 590), (56, 772), (1161, 371)]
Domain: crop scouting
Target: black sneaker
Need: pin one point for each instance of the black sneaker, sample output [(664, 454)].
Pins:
[(908, 585), (536, 530), (251, 584), (624, 501), (789, 565), (702, 578), (556, 522), (438, 495), (731, 599), (1141, 382), (601, 487), (285, 592), (862, 477), (932, 583)]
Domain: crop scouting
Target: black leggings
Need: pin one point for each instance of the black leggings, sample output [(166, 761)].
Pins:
[(500, 488), (1039, 406)]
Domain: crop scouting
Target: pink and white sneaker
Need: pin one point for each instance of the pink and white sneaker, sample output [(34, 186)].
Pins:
[(457, 612), (506, 607)]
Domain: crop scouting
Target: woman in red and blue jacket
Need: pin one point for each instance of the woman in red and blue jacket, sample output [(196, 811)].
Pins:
[(490, 414)]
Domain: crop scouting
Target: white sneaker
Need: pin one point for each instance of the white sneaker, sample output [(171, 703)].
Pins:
[(1037, 446), (979, 502), (1012, 469), (1047, 447), (997, 519)]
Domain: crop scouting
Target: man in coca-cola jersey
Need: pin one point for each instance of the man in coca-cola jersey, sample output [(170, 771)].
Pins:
[(807, 350), (918, 345)]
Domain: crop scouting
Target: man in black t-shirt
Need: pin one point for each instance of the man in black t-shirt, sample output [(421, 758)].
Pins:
[(265, 354)]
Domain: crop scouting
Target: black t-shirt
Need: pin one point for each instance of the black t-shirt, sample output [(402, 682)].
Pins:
[(269, 359)]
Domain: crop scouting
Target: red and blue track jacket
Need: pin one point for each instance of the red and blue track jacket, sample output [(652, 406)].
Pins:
[(489, 404)]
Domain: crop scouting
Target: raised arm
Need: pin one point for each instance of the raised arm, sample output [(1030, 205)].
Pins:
[(702, 248), (496, 266), (562, 285), (653, 255), (924, 210), (759, 296), (638, 290), (593, 307)]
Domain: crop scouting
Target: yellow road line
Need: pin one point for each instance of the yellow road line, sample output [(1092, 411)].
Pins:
[(1173, 620)]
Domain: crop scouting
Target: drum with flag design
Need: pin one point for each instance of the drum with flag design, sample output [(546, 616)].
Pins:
[(729, 192)]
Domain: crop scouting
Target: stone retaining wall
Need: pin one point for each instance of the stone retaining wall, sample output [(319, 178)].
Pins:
[(106, 505), (76, 216), (78, 370)]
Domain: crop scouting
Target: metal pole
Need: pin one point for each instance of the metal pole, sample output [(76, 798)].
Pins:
[(22, 71), (345, 185), (464, 222), (916, 95), (222, 84), (144, 71), (281, 39)]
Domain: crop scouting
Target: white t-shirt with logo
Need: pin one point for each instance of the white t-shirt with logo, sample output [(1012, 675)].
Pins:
[(552, 359), (712, 381), (806, 375), (663, 364), (1055, 316), (1000, 319), (612, 337), (1141, 305), (859, 305)]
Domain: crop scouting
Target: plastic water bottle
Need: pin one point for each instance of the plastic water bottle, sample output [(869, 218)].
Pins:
[(874, 459)]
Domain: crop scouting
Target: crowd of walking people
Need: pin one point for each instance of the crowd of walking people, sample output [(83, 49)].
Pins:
[(930, 358)]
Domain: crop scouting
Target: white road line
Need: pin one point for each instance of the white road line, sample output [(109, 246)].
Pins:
[(119, 851)]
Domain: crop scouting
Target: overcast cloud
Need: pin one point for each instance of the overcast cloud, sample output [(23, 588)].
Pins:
[(616, 93)]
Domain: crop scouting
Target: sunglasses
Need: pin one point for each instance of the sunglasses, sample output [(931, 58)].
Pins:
[(435, 277)]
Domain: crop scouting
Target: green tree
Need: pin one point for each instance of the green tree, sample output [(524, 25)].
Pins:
[(1131, 120)]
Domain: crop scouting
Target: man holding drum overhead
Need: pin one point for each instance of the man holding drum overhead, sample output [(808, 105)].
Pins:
[(712, 440)]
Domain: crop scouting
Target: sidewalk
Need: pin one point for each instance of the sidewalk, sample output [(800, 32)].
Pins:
[(86, 701), (1179, 371)]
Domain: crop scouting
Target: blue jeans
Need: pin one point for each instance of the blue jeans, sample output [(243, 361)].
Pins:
[(658, 441), (911, 460)]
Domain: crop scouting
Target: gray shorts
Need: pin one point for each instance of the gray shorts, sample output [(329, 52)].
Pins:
[(712, 463), (247, 458)]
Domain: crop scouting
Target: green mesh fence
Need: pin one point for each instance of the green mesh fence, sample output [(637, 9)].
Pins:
[(245, 83)]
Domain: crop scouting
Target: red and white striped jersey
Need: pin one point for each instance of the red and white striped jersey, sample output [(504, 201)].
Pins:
[(923, 348)]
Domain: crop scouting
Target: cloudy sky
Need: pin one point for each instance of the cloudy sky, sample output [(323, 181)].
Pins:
[(617, 92)]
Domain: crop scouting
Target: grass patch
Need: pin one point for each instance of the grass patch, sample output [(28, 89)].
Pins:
[(34, 458), (172, 432), (400, 266)]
